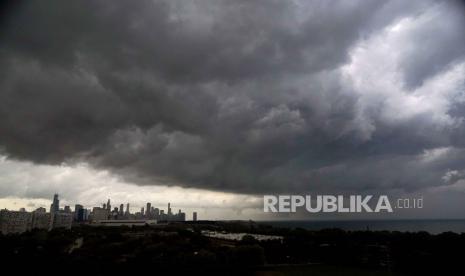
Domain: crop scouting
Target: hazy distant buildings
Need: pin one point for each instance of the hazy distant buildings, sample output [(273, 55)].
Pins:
[(148, 215), (194, 216), (15, 221), (99, 213), (62, 220), (41, 219), (123, 222), (21, 221), (181, 216), (41, 210)]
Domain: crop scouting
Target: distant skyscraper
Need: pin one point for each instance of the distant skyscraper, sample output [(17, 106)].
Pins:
[(55, 207), (194, 216), (142, 211), (67, 209), (127, 209), (169, 209), (148, 209), (79, 212), (108, 205), (121, 209)]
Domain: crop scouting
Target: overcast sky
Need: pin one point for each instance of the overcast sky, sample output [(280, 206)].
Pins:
[(211, 104)]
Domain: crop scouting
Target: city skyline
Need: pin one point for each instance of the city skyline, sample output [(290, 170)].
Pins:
[(55, 206), (63, 216)]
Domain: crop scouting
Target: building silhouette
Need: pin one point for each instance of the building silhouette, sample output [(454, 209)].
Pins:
[(21, 221), (55, 207)]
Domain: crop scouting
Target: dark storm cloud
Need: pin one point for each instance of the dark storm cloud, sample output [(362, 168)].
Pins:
[(243, 96), (427, 57)]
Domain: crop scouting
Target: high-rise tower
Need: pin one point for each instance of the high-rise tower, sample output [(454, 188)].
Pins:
[(194, 216), (55, 207), (121, 209), (148, 210)]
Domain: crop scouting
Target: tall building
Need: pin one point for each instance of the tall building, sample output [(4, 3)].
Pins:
[(121, 209), (148, 209), (127, 209), (108, 205), (142, 211), (194, 216), (79, 212), (169, 209), (55, 207), (67, 209)]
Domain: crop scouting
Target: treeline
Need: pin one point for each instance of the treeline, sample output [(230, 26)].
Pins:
[(105, 251)]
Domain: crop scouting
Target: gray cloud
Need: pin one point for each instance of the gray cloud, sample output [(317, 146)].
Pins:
[(244, 96)]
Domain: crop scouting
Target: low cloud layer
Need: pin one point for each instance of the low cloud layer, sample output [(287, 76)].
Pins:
[(252, 97)]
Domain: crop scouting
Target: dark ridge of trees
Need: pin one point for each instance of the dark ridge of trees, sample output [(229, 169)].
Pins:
[(182, 247)]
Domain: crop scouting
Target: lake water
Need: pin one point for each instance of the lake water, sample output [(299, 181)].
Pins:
[(431, 226), (238, 236)]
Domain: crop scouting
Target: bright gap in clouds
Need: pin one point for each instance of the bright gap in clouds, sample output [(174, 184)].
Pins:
[(31, 186), (376, 75)]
